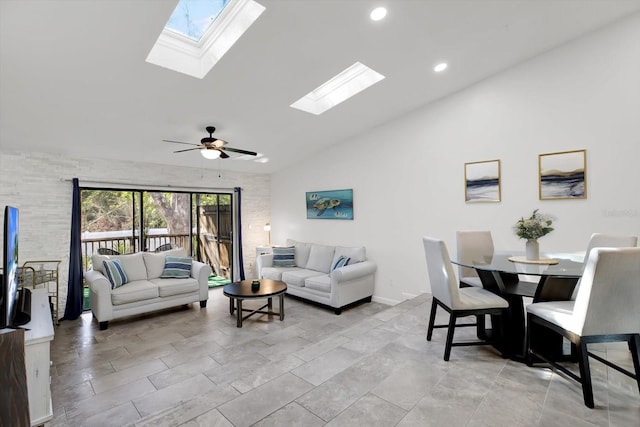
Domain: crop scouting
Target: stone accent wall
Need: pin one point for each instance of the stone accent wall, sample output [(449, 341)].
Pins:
[(39, 184)]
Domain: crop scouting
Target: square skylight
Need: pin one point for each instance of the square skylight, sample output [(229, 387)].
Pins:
[(343, 86), (196, 44), (191, 18)]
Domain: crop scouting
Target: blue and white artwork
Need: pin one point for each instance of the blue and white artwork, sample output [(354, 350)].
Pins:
[(334, 204), (563, 175), (482, 181)]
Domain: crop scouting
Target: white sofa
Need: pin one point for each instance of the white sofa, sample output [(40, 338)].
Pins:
[(312, 277), (145, 291)]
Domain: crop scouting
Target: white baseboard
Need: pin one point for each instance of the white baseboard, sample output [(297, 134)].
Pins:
[(386, 301)]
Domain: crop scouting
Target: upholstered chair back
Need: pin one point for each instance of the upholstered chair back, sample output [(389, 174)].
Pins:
[(472, 246), (609, 296), (444, 285), (603, 240)]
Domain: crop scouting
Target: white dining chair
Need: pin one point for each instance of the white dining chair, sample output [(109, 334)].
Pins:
[(472, 246), (605, 310), (458, 302), (604, 240)]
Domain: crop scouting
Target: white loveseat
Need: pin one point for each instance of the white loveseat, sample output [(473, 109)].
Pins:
[(145, 290), (312, 277)]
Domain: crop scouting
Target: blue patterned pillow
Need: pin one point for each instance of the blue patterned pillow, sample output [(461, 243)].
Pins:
[(177, 267), (340, 262), (115, 273), (284, 257)]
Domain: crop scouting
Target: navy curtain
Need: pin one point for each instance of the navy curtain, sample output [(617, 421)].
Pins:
[(238, 191), (73, 309)]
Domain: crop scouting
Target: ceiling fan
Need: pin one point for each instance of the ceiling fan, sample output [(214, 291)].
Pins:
[(212, 148)]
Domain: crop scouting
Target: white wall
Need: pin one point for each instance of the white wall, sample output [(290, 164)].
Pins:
[(37, 184), (408, 175)]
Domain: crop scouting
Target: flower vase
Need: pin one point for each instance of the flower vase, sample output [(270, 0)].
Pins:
[(532, 250)]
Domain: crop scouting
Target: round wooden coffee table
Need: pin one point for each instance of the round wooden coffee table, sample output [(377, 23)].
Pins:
[(239, 291)]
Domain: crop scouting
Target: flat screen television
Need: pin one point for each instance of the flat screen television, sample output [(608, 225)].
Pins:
[(9, 282)]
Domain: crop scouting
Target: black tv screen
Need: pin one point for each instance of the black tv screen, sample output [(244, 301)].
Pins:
[(9, 283)]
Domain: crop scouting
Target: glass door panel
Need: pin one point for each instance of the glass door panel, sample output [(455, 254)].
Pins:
[(213, 232)]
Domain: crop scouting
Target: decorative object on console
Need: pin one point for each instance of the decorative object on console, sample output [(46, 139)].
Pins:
[(482, 181), (532, 228), (334, 204), (563, 175)]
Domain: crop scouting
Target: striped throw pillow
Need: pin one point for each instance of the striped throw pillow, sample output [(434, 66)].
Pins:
[(284, 257), (177, 267), (340, 262), (115, 273)]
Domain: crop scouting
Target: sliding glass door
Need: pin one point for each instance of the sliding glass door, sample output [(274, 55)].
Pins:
[(119, 221)]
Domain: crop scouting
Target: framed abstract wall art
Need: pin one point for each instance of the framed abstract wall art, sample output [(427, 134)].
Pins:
[(334, 204), (482, 181), (563, 175)]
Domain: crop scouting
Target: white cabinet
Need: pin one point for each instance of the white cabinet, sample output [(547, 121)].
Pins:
[(37, 356)]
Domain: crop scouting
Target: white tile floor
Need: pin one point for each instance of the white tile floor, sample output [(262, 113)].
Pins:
[(371, 366)]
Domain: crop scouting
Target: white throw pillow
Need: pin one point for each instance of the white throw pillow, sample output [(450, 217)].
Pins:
[(320, 258), (302, 252), (132, 264)]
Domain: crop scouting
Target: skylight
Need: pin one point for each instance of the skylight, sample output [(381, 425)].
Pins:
[(194, 40), (192, 17), (343, 86)]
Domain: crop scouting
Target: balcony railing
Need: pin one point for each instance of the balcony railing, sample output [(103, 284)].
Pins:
[(129, 244)]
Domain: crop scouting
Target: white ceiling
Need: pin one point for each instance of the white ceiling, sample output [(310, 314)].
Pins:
[(73, 76)]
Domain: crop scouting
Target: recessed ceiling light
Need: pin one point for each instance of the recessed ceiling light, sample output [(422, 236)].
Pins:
[(339, 88), (440, 67), (378, 13)]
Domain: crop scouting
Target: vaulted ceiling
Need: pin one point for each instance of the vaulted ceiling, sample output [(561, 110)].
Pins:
[(73, 76)]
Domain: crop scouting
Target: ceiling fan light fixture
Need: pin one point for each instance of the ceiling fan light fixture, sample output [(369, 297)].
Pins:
[(210, 154)]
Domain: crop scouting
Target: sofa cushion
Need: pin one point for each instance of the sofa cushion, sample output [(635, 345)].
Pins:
[(297, 276), (357, 254), (284, 257), (169, 287), (302, 252), (115, 273), (275, 273), (132, 264), (177, 267), (154, 262), (320, 258), (138, 290), (319, 283)]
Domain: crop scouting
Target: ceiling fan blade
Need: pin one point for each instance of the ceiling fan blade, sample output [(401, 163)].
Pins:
[(237, 150), (180, 142), (188, 149), (223, 155)]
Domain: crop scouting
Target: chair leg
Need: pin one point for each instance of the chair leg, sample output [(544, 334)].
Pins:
[(450, 329), (432, 319), (585, 374), (634, 346)]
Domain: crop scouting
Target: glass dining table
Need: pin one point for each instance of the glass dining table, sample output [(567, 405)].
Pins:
[(502, 273)]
